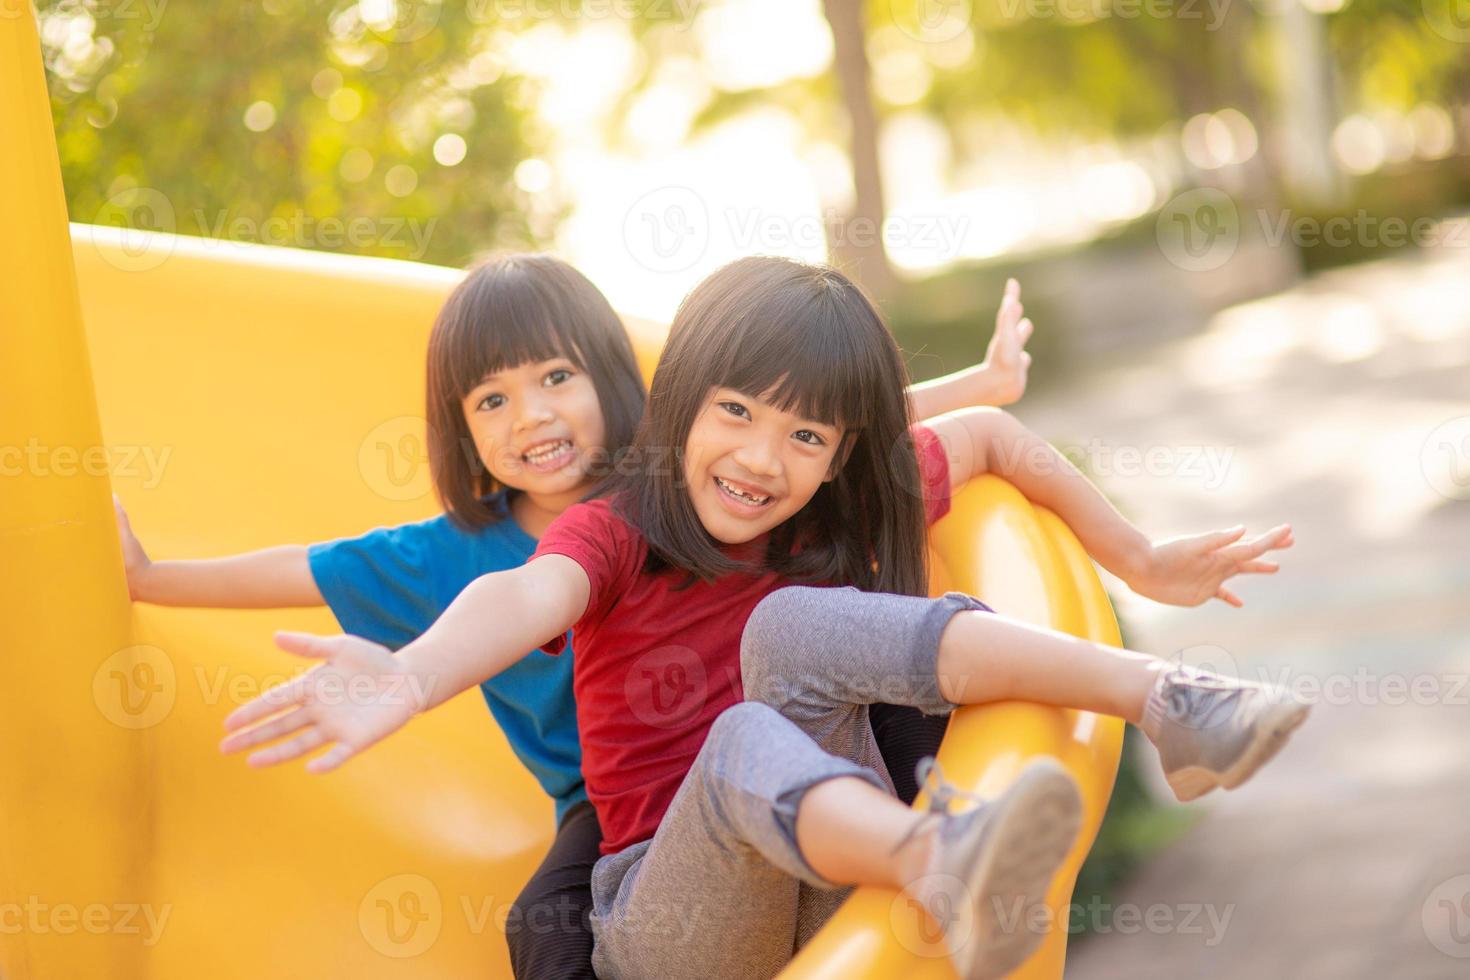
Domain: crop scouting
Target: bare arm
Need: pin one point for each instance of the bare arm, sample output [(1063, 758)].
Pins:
[(361, 692), (494, 622), (1000, 379), (272, 578), (988, 440), (1184, 571)]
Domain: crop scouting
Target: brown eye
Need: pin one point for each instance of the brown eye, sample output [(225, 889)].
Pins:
[(490, 403), (559, 376), (736, 409)]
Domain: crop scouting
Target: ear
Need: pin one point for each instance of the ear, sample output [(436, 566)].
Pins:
[(840, 458)]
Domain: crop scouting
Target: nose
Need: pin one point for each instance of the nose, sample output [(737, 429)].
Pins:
[(760, 456), (534, 413)]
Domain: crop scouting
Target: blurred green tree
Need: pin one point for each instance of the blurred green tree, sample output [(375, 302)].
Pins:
[(376, 127)]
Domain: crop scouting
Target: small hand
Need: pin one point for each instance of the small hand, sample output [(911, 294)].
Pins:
[(135, 559), (1006, 360), (1190, 570), (357, 696)]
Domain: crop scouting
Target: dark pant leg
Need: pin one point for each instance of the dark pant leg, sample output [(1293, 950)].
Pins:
[(905, 735), (547, 931)]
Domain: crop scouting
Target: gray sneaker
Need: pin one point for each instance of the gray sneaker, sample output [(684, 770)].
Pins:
[(994, 864), (1213, 731)]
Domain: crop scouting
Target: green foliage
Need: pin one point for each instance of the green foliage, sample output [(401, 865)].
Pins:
[(151, 107)]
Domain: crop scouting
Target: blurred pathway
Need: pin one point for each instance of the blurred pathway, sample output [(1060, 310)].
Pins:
[(1343, 406)]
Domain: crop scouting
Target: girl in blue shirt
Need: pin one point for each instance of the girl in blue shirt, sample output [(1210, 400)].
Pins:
[(533, 390)]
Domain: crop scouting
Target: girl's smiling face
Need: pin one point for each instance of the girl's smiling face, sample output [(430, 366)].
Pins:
[(538, 427), (749, 465)]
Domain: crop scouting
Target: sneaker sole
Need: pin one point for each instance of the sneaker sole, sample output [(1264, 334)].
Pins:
[(1192, 782), (1035, 825)]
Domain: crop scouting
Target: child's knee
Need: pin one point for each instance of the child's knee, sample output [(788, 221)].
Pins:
[(769, 622), (743, 724), (772, 643)]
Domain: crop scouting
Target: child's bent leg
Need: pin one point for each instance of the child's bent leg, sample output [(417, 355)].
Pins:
[(821, 656), (716, 892), (814, 653), (810, 651), (547, 932), (993, 658)]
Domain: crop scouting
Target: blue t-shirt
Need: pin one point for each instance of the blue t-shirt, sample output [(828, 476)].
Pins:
[(390, 584)]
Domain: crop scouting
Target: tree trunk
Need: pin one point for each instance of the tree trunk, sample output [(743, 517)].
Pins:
[(856, 242)]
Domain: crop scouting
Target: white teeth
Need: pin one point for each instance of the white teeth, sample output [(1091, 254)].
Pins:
[(549, 452), (741, 494)]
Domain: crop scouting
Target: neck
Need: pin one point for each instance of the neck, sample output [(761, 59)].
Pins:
[(536, 512)]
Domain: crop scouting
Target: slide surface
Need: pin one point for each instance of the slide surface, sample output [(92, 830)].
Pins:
[(236, 396)]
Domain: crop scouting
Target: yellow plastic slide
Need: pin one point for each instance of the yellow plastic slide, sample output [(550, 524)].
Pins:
[(239, 396)]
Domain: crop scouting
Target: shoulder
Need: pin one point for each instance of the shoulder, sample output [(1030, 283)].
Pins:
[(934, 477), (600, 517), (437, 542), (924, 436), (606, 547)]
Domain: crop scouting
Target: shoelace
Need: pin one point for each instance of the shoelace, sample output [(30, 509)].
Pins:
[(1190, 694), (941, 793)]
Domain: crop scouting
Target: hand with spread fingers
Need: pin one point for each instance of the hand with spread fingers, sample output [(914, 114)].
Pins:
[(1006, 361), (1190, 570), (358, 695)]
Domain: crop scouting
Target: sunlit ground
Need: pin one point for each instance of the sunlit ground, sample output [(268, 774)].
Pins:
[(1342, 406)]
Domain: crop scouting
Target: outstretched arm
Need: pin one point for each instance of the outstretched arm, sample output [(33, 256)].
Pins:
[(1000, 379), (1182, 571), (272, 578), (360, 693)]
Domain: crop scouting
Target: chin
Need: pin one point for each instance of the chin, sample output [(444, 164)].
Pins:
[(738, 535), (728, 530)]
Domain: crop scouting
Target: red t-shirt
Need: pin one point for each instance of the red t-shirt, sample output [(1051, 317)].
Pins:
[(657, 664)]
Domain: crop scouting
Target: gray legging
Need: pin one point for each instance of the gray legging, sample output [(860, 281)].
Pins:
[(722, 889)]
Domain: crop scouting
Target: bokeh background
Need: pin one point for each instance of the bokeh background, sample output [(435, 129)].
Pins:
[(1243, 232)]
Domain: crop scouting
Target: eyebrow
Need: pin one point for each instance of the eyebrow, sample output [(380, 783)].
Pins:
[(803, 420), (495, 375)]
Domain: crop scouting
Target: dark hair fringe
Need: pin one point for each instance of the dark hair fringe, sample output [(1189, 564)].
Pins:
[(512, 310), (808, 339)]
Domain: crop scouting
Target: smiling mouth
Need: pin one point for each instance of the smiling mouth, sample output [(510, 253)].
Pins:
[(744, 497), (547, 453)]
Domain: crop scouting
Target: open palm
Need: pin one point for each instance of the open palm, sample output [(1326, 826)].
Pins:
[(1194, 569), (357, 696), (1006, 358)]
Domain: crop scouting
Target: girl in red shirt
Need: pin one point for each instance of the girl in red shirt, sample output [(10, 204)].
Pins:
[(531, 385), (737, 783)]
